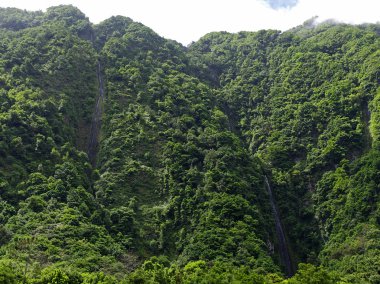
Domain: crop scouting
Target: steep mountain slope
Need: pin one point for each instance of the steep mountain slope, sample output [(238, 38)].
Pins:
[(305, 102), (167, 151), (234, 159), (48, 85)]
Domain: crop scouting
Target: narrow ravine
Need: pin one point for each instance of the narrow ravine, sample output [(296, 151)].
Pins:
[(96, 119), (283, 247)]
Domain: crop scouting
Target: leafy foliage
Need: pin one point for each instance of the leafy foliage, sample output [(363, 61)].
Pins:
[(177, 193)]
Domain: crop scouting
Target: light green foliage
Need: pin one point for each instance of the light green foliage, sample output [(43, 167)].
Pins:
[(310, 274), (7, 275), (375, 118)]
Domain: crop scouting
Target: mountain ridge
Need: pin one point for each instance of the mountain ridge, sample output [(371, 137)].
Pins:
[(178, 191)]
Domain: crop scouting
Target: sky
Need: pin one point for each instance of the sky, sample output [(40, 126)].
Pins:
[(188, 20)]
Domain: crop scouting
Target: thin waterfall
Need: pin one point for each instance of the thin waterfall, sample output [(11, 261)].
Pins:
[(283, 247), (96, 119)]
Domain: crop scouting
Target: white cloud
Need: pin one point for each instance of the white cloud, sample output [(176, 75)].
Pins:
[(278, 4), (185, 20)]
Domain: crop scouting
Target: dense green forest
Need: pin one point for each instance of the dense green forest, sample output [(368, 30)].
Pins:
[(242, 158)]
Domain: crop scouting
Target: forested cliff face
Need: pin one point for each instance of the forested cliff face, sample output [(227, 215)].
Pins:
[(129, 158)]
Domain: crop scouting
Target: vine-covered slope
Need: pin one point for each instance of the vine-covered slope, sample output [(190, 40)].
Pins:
[(204, 153)]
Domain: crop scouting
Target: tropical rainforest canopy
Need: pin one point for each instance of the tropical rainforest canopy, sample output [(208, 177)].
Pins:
[(243, 158)]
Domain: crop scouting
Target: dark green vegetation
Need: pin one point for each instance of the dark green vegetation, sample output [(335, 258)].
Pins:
[(189, 136)]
